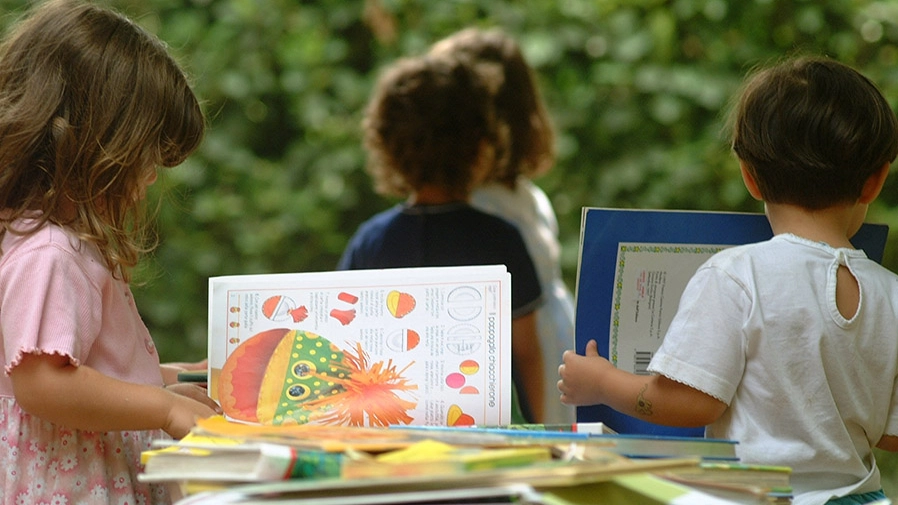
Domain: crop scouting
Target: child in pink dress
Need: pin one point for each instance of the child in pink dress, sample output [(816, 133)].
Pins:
[(90, 105)]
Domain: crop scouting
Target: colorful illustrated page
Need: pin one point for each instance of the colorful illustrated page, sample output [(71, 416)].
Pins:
[(424, 346)]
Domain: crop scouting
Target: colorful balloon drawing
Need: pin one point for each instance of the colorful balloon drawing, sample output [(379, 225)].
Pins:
[(455, 380), (456, 417), (403, 340), (285, 376), (469, 367), (400, 304)]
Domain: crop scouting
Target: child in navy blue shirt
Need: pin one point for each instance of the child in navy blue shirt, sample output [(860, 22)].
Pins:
[(430, 133)]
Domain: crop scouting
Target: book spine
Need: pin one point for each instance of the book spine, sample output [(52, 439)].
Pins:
[(275, 462), (572, 427), (313, 464), (285, 462), (504, 431)]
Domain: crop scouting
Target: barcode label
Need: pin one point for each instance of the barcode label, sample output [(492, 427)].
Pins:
[(641, 362)]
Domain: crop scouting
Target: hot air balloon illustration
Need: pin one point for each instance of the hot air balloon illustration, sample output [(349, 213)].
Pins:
[(285, 376)]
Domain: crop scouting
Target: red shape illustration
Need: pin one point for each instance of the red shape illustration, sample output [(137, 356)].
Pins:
[(344, 316), (270, 306), (347, 297), (455, 380), (299, 314), (412, 339)]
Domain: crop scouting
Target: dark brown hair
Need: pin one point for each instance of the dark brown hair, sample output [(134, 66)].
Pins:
[(427, 123), (811, 131), (528, 146), (90, 105)]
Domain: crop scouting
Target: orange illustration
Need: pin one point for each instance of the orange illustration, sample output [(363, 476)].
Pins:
[(400, 304), (287, 376), (469, 367), (456, 417), (344, 316)]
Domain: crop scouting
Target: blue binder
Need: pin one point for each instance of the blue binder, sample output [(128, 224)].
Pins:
[(601, 232)]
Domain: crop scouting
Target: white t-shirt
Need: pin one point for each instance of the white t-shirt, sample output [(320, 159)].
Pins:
[(758, 328), (529, 209)]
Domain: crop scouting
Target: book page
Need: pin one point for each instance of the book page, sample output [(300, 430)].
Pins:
[(648, 283), (429, 346)]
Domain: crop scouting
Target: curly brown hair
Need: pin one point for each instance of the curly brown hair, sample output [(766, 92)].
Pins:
[(427, 123), (90, 105), (527, 143)]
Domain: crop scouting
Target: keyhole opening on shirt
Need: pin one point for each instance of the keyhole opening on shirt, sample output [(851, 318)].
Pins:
[(848, 292)]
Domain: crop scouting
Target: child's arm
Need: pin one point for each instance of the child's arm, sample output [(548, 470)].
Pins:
[(592, 380), (49, 387), (526, 353), (888, 443)]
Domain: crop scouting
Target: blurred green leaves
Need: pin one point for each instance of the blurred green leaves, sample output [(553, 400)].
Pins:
[(638, 90)]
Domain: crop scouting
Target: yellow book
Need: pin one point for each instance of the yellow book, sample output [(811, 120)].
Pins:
[(433, 457), (192, 443)]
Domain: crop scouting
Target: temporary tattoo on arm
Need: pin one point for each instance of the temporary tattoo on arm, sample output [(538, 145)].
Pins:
[(643, 406)]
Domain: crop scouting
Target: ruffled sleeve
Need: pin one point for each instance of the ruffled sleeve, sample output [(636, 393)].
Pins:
[(49, 304)]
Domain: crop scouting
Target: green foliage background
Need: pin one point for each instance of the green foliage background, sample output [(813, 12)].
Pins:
[(638, 90)]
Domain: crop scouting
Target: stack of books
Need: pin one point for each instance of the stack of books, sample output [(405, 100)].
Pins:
[(223, 461), (394, 386)]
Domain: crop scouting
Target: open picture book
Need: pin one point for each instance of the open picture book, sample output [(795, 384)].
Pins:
[(423, 346)]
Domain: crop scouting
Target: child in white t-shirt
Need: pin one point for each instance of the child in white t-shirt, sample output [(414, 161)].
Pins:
[(787, 346)]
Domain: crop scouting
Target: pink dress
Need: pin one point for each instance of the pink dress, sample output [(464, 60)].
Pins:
[(57, 296)]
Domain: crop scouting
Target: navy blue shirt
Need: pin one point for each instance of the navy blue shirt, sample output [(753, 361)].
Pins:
[(453, 234)]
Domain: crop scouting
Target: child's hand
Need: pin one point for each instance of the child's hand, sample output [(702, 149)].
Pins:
[(194, 392), (581, 376), (183, 413)]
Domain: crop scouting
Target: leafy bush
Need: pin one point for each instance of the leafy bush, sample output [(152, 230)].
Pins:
[(638, 92)]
